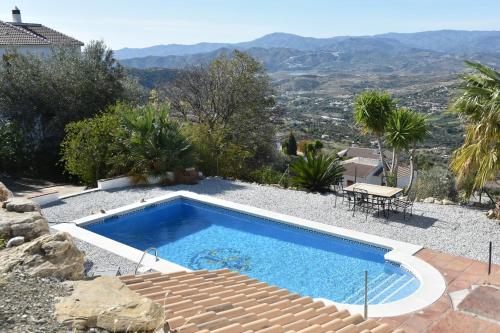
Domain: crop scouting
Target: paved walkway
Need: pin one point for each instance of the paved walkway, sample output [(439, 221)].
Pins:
[(460, 273), (25, 187)]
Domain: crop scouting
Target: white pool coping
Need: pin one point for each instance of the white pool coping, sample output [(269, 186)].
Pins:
[(432, 283)]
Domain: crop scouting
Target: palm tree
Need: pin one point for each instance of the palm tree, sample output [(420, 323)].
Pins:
[(404, 128), (371, 111), (477, 160), (153, 142)]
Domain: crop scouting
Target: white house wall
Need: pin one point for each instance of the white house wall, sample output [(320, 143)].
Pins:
[(40, 50)]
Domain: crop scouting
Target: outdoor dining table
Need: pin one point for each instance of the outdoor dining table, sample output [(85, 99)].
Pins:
[(375, 190), (386, 193)]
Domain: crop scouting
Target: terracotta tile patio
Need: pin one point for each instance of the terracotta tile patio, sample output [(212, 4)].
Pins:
[(440, 317)]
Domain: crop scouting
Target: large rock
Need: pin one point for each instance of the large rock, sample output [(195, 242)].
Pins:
[(5, 193), (21, 205), (429, 200), (47, 256), (30, 225), (16, 241), (106, 303)]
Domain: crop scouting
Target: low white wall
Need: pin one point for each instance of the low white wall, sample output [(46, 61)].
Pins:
[(45, 199), (109, 184), (124, 181)]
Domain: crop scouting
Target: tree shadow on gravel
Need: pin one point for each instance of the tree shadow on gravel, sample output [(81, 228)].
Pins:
[(209, 186)]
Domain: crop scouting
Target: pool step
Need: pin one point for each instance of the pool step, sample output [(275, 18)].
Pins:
[(382, 289), (399, 289), (360, 292), (375, 289), (389, 288)]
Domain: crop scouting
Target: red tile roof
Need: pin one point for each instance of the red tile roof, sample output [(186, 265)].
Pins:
[(224, 301), (24, 34)]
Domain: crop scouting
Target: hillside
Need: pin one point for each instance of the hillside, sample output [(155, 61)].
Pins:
[(438, 52), (448, 41), (316, 80)]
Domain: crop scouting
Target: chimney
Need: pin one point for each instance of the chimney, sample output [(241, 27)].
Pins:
[(16, 15)]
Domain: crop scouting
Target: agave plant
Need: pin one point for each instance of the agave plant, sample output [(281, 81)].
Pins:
[(316, 173)]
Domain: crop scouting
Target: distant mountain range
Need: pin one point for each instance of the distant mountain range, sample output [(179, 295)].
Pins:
[(422, 52)]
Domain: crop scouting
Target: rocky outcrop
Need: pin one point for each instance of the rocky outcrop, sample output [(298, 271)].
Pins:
[(47, 256), (29, 225), (429, 200), (21, 205), (106, 303), (20, 217), (5, 193), (16, 241)]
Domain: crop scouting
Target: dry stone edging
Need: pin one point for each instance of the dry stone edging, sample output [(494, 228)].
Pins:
[(108, 304), (46, 256)]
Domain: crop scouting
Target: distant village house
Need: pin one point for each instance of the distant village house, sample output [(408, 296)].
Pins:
[(362, 165)]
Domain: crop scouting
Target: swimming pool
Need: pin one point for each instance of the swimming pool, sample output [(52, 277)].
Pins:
[(200, 236), (193, 231)]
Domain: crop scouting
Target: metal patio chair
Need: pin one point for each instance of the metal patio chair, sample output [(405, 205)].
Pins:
[(405, 204), (361, 199)]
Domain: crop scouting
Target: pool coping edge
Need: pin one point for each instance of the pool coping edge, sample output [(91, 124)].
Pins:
[(432, 283)]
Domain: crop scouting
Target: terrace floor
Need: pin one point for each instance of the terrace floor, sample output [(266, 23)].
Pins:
[(452, 229), (481, 314)]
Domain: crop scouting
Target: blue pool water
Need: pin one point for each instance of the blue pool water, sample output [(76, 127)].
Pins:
[(202, 236)]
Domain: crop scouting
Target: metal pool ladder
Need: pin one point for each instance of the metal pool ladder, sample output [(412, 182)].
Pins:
[(152, 248)]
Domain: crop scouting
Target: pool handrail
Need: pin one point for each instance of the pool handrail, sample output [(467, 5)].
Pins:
[(144, 254)]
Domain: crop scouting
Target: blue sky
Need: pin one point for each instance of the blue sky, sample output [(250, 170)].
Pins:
[(150, 22)]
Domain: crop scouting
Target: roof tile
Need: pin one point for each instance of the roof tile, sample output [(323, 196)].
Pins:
[(24, 34), (226, 302)]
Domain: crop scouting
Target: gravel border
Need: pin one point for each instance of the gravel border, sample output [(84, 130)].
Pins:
[(99, 260), (453, 229), (27, 303)]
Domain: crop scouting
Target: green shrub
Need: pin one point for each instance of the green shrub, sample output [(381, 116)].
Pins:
[(217, 155), (150, 143), (141, 142), (86, 149), (41, 95), (306, 146), (2, 243), (267, 175), (12, 150), (290, 145), (316, 173), (391, 180), (436, 182)]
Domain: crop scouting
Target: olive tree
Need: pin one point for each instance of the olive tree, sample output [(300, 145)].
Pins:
[(231, 107), (40, 95)]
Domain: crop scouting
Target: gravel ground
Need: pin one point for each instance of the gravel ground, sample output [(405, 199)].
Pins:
[(453, 229), (99, 260), (25, 303)]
